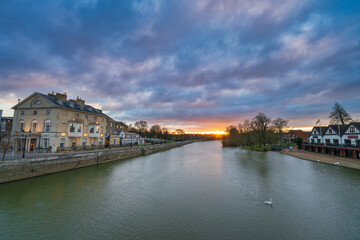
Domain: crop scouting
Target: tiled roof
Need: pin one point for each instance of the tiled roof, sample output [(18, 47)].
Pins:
[(72, 105), (121, 124), (355, 124), (343, 129), (322, 132)]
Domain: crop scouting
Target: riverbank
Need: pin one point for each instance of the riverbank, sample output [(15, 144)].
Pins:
[(323, 158), (17, 169)]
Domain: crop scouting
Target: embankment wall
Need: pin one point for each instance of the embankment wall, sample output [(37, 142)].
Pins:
[(12, 170)]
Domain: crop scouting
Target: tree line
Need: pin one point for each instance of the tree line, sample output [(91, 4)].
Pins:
[(156, 131), (260, 130)]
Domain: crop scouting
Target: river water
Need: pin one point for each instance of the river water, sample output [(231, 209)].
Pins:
[(198, 191)]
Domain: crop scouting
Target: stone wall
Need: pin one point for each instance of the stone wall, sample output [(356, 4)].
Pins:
[(12, 170)]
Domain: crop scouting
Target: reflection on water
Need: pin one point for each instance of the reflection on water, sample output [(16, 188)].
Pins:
[(198, 191)]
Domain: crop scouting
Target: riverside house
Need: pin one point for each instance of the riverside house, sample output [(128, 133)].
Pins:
[(53, 122), (339, 140)]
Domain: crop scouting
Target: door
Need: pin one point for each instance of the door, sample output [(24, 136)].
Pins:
[(32, 144)]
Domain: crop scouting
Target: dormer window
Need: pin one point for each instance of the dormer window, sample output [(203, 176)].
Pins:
[(352, 129), (330, 131)]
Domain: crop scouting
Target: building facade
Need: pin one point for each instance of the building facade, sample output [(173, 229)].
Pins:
[(52, 122), (293, 134)]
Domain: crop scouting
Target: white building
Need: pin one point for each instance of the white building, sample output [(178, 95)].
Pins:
[(352, 134), (317, 134), (334, 134)]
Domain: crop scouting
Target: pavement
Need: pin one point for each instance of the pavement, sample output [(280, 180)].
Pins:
[(324, 158), (19, 155)]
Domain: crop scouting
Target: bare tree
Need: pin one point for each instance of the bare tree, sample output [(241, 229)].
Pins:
[(141, 126), (338, 115), (260, 124), (179, 131), (279, 124), (232, 130), (155, 130), (5, 143), (245, 129)]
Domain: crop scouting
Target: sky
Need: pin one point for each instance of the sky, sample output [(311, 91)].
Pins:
[(200, 65)]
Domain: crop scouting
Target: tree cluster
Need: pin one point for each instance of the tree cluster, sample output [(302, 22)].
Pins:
[(260, 130), (156, 131)]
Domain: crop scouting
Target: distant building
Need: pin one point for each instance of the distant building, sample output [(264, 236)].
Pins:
[(5, 127), (5, 123), (54, 122), (293, 134), (120, 126)]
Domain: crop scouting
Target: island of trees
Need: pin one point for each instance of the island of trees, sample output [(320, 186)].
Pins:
[(257, 132)]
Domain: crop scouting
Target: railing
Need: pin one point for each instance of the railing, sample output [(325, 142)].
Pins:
[(334, 145)]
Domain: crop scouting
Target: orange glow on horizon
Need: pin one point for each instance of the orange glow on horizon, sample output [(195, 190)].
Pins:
[(208, 132)]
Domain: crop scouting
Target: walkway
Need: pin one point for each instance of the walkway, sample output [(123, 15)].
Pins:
[(324, 158)]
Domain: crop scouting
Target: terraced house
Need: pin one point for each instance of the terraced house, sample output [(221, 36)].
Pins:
[(53, 122)]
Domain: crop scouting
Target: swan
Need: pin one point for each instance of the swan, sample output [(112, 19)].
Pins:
[(337, 163), (268, 202)]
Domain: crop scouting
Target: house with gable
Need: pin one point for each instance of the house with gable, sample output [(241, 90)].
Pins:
[(317, 134), (54, 122), (351, 135), (334, 133)]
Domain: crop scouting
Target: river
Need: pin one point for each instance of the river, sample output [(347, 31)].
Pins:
[(198, 191)]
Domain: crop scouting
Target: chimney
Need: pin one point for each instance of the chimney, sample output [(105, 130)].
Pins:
[(61, 96), (52, 94), (80, 101)]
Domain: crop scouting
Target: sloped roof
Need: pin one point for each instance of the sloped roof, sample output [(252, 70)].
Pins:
[(343, 129), (355, 124), (323, 130), (121, 124), (68, 105)]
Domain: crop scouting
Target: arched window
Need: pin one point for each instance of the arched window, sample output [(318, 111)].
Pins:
[(34, 125), (47, 126), (21, 125)]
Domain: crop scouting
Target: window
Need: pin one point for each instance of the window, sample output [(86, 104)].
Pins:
[(330, 130), (22, 113), (34, 125), (72, 127), (76, 115), (62, 142), (79, 128), (352, 129), (21, 125), (46, 142), (336, 141), (47, 125), (94, 118), (327, 141), (92, 129), (86, 116), (48, 112), (35, 112), (37, 102)]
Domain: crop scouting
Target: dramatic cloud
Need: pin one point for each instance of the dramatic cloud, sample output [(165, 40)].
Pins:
[(198, 65)]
